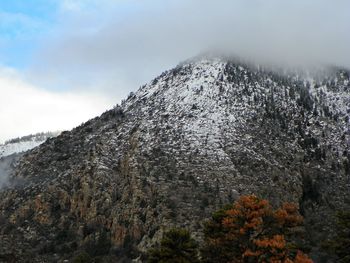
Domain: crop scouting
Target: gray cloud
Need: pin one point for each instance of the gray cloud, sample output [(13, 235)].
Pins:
[(119, 51)]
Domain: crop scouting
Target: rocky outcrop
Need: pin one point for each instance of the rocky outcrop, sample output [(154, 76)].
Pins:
[(183, 145)]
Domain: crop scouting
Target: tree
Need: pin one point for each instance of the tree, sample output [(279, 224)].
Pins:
[(251, 231), (340, 245), (176, 246), (83, 257), (100, 244)]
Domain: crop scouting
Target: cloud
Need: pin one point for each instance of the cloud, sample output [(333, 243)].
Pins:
[(71, 5), (16, 23), (107, 48), (26, 109), (97, 8), (126, 43)]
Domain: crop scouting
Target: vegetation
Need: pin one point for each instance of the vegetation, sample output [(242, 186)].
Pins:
[(99, 246), (83, 257), (247, 231), (340, 245), (176, 246), (251, 231)]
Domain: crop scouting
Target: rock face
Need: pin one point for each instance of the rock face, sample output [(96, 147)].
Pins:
[(183, 145)]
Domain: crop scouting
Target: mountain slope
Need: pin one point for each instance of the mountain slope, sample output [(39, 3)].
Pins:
[(183, 145), (25, 143), (12, 150)]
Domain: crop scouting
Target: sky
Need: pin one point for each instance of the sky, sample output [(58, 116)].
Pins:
[(63, 62)]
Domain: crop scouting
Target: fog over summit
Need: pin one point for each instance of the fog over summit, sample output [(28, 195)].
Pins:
[(125, 51)]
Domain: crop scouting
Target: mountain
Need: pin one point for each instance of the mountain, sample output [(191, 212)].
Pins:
[(12, 150), (25, 143), (188, 142)]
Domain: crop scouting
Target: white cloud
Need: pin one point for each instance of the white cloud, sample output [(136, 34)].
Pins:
[(121, 44), (85, 5), (26, 109), (71, 5), (18, 24)]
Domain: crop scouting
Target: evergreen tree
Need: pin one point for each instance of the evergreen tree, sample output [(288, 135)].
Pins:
[(176, 246), (340, 245)]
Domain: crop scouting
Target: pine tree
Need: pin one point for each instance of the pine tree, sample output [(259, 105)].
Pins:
[(176, 246), (340, 245)]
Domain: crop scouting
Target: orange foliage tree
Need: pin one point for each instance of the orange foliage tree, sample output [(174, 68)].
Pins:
[(251, 231)]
